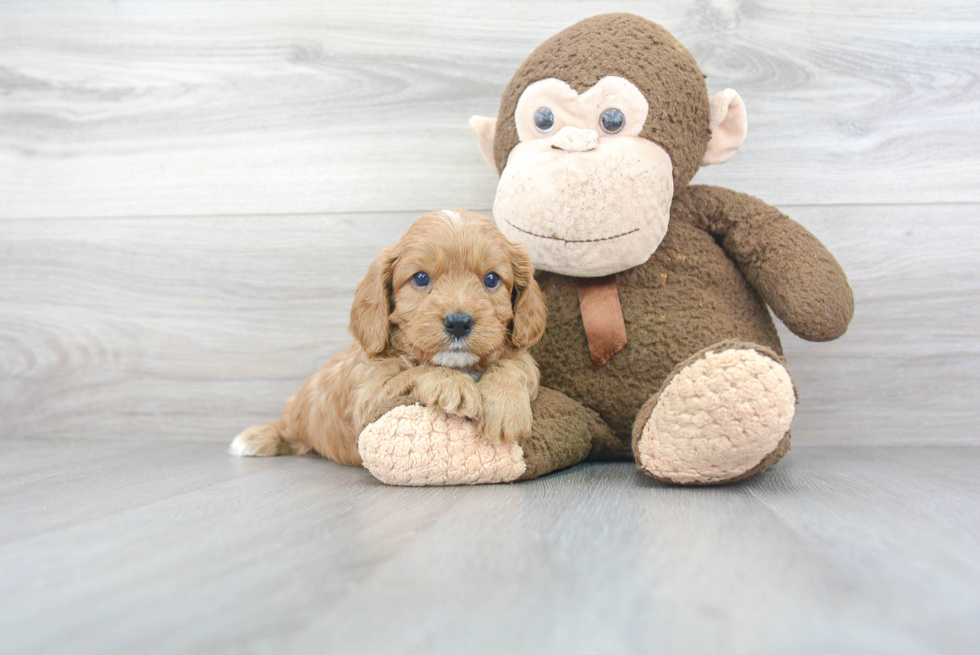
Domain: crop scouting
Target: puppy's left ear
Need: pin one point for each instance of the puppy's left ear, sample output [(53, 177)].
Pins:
[(530, 313), (372, 305)]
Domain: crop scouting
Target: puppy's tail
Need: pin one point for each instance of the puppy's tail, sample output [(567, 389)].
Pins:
[(261, 441)]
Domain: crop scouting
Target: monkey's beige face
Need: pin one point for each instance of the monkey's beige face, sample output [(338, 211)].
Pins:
[(586, 194)]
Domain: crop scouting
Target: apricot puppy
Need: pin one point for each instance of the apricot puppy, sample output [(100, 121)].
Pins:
[(443, 318)]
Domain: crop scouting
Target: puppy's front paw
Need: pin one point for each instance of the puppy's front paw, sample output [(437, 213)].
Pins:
[(451, 391), (506, 418)]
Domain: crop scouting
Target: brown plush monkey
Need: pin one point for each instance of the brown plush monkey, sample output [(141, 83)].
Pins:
[(659, 346)]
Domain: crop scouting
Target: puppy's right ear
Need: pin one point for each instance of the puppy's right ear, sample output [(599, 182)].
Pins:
[(530, 311), (369, 322)]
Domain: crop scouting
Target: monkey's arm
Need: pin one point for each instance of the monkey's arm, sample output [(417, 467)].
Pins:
[(792, 271)]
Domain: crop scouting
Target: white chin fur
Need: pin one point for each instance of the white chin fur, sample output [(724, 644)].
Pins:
[(455, 359)]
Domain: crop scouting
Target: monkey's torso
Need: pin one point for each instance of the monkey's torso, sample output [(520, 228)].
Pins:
[(686, 297)]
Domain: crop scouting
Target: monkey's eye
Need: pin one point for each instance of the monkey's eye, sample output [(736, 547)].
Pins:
[(612, 120), (491, 281), (544, 119), (421, 279)]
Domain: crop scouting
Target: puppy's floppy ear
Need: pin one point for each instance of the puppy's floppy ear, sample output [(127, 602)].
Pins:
[(369, 322), (530, 313)]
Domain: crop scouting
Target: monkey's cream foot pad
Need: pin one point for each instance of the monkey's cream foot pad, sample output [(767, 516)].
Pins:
[(416, 446), (717, 418)]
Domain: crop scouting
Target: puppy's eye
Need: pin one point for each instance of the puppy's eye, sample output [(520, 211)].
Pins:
[(421, 279), (491, 281), (612, 120), (544, 119)]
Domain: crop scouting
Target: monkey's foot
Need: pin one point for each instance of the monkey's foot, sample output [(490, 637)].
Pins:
[(722, 416), (416, 446)]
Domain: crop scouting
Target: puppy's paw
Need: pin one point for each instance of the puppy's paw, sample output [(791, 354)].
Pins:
[(506, 418), (451, 391)]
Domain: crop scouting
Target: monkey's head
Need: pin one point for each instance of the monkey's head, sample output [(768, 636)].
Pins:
[(598, 130)]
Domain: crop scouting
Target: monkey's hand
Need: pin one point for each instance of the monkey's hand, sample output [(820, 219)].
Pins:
[(792, 271)]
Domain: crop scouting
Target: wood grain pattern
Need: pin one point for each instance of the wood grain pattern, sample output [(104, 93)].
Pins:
[(225, 108), (190, 191), (186, 549), (199, 327)]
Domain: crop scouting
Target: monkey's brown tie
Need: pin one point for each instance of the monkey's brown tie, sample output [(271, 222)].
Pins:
[(602, 316)]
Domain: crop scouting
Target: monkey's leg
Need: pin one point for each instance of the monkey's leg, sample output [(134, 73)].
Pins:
[(563, 434), (417, 446), (721, 416)]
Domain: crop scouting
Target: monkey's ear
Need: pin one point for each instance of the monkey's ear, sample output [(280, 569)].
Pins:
[(728, 124), (372, 305), (484, 129)]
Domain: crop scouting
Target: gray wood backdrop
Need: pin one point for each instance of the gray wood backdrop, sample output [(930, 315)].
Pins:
[(189, 191)]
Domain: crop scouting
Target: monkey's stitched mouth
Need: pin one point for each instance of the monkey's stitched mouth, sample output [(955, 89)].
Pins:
[(541, 236)]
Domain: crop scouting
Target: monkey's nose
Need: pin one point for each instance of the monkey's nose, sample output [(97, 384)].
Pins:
[(575, 139), (458, 325)]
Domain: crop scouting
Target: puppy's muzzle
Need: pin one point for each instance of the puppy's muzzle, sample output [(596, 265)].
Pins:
[(458, 325)]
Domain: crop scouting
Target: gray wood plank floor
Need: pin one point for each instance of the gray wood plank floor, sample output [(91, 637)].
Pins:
[(176, 547)]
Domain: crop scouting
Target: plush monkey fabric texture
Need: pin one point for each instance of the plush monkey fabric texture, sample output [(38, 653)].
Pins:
[(633, 48), (700, 393), (597, 139), (693, 293)]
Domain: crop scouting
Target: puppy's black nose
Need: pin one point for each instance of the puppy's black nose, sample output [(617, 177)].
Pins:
[(458, 325)]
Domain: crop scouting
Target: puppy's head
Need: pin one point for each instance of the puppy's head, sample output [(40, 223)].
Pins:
[(452, 292)]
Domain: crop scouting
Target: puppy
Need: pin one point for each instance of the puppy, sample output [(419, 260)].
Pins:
[(443, 318)]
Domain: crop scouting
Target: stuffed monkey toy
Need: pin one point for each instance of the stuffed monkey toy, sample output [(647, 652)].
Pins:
[(659, 346)]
